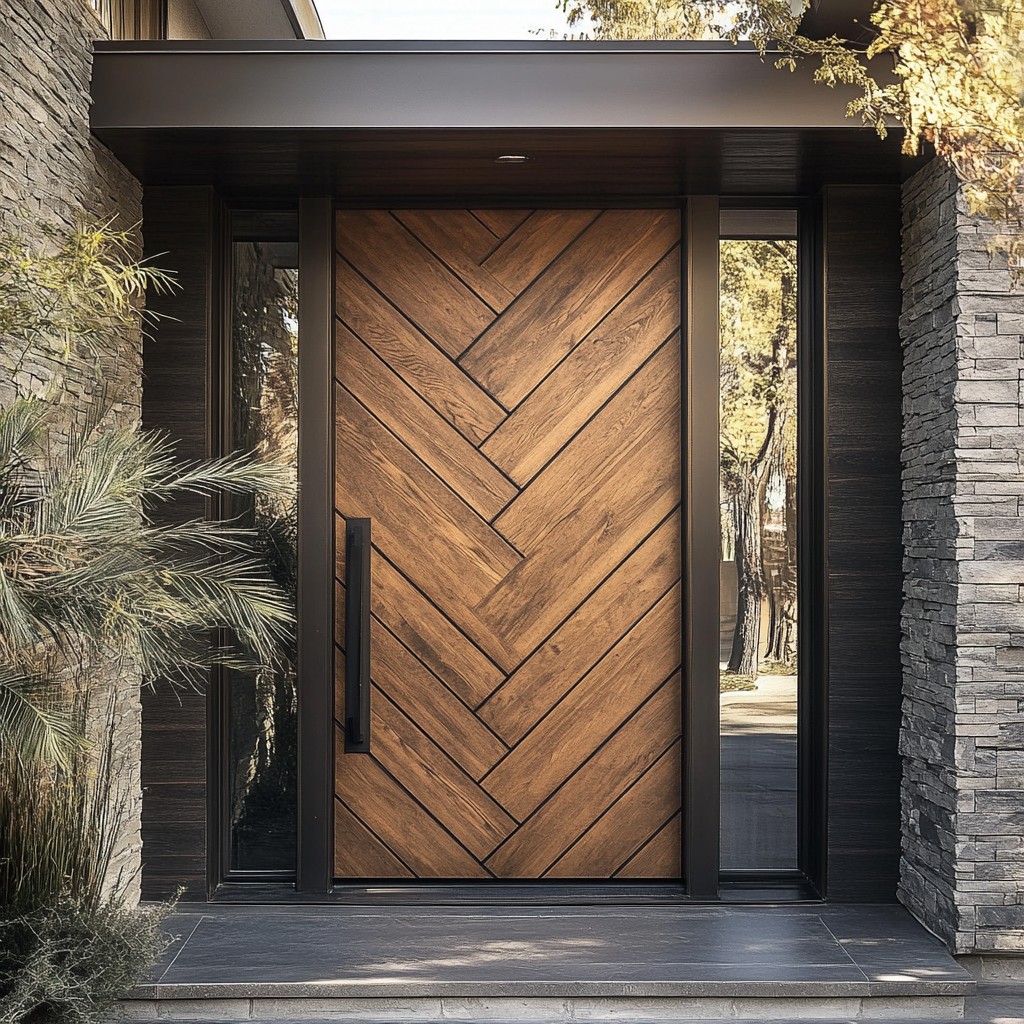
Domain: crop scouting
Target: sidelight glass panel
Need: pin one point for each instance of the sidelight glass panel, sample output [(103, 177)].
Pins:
[(261, 706), (758, 496)]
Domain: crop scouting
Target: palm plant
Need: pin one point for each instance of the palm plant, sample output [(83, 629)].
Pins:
[(87, 572)]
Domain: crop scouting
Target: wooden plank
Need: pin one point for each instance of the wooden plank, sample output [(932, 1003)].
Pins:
[(590, 516), (443, 788), (660, 858), (433, 440), (587, 635), (534, 244), (543, 837), (543, 591), (623, 828), (567, 399), (421, 627), (405, 271), (591, 711), (567, 301), (399, 820), (423, 366), (426, 700), (501, 222), (425, 529), (358, 853), (627, 436), (461, 242)]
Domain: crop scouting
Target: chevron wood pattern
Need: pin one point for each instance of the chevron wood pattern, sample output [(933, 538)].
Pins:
[(508, 414)]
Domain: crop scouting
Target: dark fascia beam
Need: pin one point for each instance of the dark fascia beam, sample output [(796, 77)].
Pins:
[(543, 84)]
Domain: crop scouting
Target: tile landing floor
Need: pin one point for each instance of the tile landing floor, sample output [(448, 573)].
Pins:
[(859, 957)]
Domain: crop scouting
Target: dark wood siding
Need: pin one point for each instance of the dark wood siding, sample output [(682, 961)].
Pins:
[(864, 366), (178, 229)]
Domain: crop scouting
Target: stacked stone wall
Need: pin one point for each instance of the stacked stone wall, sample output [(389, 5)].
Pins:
[(52, 172), (962, 735)]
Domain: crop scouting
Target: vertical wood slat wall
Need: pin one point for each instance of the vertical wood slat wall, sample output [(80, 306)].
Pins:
[(864, 548), (179, 225)]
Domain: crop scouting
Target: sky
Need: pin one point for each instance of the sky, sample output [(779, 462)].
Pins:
[(440, 19)]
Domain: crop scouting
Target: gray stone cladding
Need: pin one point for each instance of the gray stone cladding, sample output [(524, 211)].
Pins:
[(53, 172), (962, 736)]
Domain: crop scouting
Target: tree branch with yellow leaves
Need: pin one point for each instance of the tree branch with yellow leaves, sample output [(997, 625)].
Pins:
[(957, 78)]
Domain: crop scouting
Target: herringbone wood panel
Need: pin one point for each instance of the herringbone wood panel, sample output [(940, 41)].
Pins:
[(508, 414)]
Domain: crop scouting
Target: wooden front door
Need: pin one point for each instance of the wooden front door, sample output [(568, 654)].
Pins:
[(508, 417)]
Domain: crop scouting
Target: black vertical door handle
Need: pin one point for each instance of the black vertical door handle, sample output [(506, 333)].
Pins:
[(357, 636)]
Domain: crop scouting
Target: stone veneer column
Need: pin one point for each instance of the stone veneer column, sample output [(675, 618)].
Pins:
[(962, 734), (52, 171)]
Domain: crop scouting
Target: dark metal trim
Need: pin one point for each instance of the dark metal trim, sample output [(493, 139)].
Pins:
[(316, 550), (812, 507), (543, 46), (701, 781), (218, 439), (219, 868), (812, 549), (357, 636)]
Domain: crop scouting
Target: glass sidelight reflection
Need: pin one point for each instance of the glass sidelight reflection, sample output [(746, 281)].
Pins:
[(260, 783), (758, 518)]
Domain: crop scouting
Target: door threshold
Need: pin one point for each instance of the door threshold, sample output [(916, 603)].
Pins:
[(459, 894), (519, 894)]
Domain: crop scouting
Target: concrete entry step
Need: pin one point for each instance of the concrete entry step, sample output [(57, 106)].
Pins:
[(495, 964)]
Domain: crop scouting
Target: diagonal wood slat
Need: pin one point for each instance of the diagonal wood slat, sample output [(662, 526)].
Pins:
[(427, 370), (521, 256), (662, 851), (463, 243), (588, 377), (626, 825), (543, 837), (585, 637), (419, 284), (563, 305), (360, 851), (508, 415), (433, 439)]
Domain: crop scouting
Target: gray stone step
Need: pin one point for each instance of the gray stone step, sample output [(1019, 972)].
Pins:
[(390, 965)]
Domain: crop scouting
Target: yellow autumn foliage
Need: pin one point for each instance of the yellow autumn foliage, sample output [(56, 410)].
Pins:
[(957, 79)]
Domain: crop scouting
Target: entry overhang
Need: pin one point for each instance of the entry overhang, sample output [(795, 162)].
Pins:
[(425, 118)]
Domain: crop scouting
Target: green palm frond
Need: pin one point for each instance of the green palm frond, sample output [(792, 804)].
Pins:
[(22, 423), (88, 574), (34, 725), (236, 473)]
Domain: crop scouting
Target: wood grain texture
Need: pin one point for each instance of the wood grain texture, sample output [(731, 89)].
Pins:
[(865, 579), (568, 300), (580, 385), (573, 808), (413, 278), (663, 848), (435, 378), (180, 223), (358, 849), (438, 444), (623, 828), (526, 581), (593, 710), (585, 637)]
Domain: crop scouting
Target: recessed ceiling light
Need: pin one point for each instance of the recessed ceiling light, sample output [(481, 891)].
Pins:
[(511, 158)]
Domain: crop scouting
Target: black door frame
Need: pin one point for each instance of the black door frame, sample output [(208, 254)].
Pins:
[(700, 627)]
